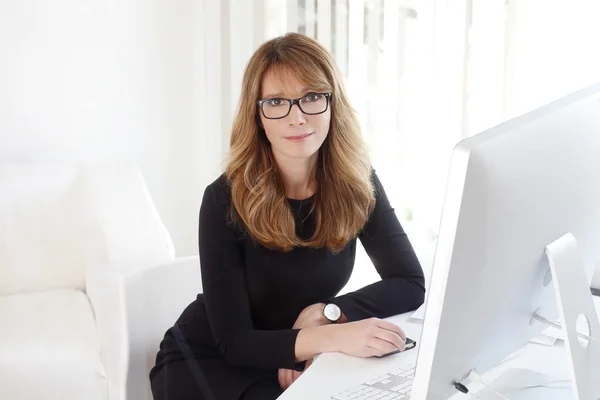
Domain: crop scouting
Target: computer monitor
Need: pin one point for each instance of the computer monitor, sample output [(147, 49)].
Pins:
[(512, 190)]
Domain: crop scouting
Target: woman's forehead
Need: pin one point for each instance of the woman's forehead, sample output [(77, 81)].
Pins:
[(281, 81)]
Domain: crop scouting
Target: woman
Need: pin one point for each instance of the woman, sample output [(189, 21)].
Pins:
[(277, 241)]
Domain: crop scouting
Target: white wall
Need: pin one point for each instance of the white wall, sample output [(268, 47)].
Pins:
[(115, 79), (553, 51)]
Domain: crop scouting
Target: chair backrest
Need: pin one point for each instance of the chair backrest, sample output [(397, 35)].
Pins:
[(57, 219)]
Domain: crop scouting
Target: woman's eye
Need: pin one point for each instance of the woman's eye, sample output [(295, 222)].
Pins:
[(275, 102), (312, 97)]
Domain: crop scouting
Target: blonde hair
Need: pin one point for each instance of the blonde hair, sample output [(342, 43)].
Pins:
[(344, 198)]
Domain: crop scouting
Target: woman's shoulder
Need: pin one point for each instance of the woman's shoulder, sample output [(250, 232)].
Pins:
[(221, 184), (375, 181), (218, 193), (217, 206)]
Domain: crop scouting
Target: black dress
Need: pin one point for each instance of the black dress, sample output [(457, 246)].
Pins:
[(229, 343)]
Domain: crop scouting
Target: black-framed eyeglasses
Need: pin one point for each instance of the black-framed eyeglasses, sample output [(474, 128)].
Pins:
[(310, 104)]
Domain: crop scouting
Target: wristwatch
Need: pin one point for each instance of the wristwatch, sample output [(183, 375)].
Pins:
[(332, 312)]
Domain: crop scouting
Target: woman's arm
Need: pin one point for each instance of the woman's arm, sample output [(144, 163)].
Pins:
[(402, 285), (315, 340)]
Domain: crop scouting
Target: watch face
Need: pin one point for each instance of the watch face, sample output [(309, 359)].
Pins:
[(332, 312)]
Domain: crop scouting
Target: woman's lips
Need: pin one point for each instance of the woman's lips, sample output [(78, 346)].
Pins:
[(298, 138)]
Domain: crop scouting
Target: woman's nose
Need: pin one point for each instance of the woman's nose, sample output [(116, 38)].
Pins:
[(296, 116)]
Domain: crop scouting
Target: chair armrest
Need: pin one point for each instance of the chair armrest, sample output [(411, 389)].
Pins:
[(134, 306)]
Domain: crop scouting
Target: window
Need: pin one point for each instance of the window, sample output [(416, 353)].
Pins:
[(424, 74), (387, 59)]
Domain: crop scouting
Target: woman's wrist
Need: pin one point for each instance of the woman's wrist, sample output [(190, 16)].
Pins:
[(327, 339), (316, 340)]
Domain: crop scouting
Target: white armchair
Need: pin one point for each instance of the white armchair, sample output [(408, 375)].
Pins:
[(88, 282), (134, 306)]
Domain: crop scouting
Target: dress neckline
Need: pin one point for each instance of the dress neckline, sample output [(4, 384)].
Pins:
[(299, 202)]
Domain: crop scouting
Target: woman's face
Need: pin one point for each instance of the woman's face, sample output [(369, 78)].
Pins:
[(298, 135)]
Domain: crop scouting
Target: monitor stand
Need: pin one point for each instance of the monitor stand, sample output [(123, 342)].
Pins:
[(574, 298)]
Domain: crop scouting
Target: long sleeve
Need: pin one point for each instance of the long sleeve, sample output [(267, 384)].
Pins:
[(226, 295), (402, 285)]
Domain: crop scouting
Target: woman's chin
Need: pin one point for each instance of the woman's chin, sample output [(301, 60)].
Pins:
[(302, 155), (299, 153)]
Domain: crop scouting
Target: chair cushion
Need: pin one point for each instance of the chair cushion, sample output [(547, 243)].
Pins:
[(59, 219), (49, 347), (41, 228)]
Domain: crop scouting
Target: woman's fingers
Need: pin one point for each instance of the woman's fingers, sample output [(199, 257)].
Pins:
[(287, 376), (370, 337), (295, 375), (380, 347), (284, 378), (280, 378), (387, 325), (290, 378), (391, 337)]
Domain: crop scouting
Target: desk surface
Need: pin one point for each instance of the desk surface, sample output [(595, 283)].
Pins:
[(332, 373)]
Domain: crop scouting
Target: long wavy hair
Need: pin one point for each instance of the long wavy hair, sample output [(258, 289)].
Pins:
[(345, 196)]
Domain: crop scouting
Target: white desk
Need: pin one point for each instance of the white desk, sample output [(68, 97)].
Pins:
[(332, 373)]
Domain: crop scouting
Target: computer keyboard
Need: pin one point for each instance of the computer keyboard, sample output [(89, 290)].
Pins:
[(395, 385)]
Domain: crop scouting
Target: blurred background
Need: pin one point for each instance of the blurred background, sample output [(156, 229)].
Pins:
[(158, 81)]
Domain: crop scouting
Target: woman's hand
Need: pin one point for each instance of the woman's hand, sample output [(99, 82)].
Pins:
[(365, 338), (369, 337), (288, 376)]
